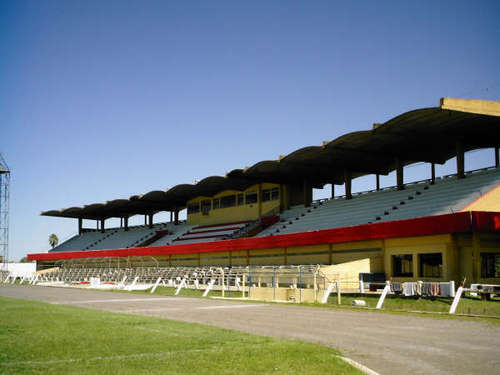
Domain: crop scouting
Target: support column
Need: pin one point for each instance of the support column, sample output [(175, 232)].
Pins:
[(307, 194), (433, 173), (125, 223), (145, 220), (333, 190), (176, 217), (97, 224), (171, 216), (399, 175), (460, 160), (377, 181), (348, 184), (102, 225), (150, 221), (80, 225), (497, 159)]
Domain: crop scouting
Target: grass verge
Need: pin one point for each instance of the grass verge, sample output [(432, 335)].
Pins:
[(39, 338)]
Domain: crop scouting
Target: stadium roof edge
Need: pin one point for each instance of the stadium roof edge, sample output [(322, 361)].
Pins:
[(434, 132)]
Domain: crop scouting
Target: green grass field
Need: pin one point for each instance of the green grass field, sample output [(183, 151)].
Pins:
[(39, 338)]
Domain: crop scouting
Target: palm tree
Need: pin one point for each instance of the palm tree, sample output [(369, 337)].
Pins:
[(53, 240)]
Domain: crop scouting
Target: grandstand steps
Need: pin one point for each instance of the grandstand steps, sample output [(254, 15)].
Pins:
[(211, 232), (447, 195)]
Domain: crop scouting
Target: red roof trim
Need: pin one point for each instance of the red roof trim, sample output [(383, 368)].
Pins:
[(431, 225)]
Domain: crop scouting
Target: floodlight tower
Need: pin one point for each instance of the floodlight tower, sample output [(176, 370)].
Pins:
[(4, 210)]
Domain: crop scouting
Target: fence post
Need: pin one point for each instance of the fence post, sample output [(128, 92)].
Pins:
[(156, 285), (454, 305), (383, 295), (339, 302)]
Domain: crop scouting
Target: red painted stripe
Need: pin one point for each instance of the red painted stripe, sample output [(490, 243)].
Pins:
[(432, 225)]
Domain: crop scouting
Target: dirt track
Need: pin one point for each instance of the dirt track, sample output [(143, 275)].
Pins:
[(387, 343)]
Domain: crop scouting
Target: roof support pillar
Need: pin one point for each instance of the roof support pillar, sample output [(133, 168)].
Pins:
[(145, 220), (80, 225), (102, 225), (307, 193), (176, 217), (460, 160), (150, 221), (497, 159), (333, 191), (433, 173), (399, 175), (171, 216), (348, 184), (125, 223), (377, 182)]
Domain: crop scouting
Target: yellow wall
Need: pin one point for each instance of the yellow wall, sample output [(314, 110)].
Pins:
[(487, 202), (236, 213), (421, 245)]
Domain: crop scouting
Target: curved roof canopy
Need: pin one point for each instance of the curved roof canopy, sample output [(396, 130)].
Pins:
[(428, 135)]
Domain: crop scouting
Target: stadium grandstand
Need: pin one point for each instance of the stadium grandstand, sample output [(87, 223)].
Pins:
[(438, 229)]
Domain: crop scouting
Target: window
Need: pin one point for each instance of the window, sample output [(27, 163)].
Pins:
[(275, 194), (251, 197), (431, 265), (228, 201), (402, 265), (193, 208), (270, 194), (206, 206), (241, 199), (490, 264), (266, 195), (216, 203)]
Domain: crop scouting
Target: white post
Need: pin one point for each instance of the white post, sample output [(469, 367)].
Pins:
[(196, 284), (156, 285), (121, 284), (13, 279), (134, 282), (386, 290), (455, 300), (181, 285), (209, 287), (328, 291)]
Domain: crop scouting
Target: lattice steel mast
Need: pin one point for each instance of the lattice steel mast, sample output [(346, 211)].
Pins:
[(4, 210)]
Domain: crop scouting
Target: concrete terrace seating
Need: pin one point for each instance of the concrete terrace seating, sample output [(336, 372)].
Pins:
[(134, 237), (80, 242), (449, 195), (176, 231), (208, 233), (420, 199)]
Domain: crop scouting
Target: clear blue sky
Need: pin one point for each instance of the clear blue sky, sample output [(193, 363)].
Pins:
[(104, 99)]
